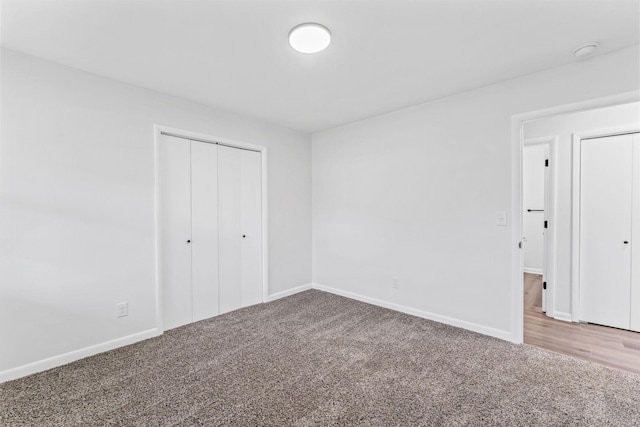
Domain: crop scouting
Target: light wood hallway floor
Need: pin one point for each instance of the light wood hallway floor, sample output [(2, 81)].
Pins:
[(612, 347)]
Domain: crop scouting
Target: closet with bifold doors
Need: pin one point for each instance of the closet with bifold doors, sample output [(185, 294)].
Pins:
[(210, 236)]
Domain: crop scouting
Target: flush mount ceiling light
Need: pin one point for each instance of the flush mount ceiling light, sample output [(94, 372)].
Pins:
[(585, 50), (309, 38)]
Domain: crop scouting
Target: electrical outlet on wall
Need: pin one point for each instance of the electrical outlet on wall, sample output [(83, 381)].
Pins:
[(122, 309), (501, 218), (395, 282)]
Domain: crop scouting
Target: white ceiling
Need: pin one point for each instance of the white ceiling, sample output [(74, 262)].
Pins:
[(385, 55)]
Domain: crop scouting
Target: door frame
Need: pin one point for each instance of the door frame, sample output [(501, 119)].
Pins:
[(517, 139), (549, 242), (158, 131), (576, 147)]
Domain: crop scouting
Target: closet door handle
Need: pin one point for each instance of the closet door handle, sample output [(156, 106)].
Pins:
[(188, 241), (244, 235), (626, 242)]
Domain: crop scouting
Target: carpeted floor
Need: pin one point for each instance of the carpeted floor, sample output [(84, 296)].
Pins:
[(319, 359)]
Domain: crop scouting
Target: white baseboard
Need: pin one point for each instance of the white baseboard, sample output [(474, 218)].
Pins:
[(288, 292), (497, 333), (533, 271), (72, 356), (565, 317), (63, 359)]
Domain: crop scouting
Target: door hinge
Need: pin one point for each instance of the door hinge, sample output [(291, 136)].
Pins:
[(544, 285), (546, 163), (545, 224)]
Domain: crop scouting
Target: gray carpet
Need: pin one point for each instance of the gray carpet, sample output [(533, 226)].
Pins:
[(319, 359)]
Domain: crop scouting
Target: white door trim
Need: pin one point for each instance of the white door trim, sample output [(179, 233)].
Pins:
[(517, 137), (550, 216), (576, 141), (160, 130)]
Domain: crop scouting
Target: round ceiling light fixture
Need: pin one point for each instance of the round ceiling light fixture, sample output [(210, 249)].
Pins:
[(309, 37), (585, 50)]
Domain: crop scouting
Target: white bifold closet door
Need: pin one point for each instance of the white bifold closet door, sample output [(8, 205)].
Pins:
[(239, 202), (608, 192), (174, 159), (210, 197), (204, 230), (189, 230)]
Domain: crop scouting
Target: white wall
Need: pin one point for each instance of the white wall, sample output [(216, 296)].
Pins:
[(563, 126), (533, 158), (414, 194), (77, 206)]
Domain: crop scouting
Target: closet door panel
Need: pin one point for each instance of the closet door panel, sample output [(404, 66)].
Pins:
[(635, 238), (605, 224), (251, 221), (230, 233), (175, 230), (204, 229)]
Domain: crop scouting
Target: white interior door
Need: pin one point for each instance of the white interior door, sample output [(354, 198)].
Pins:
[(174, 162), (635, 238), (605, 226), (536, 202), (533, 202), (240, 237), (204, 228)]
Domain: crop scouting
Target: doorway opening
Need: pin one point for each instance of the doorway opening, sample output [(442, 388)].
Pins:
[(545, 230), (538, 221)]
